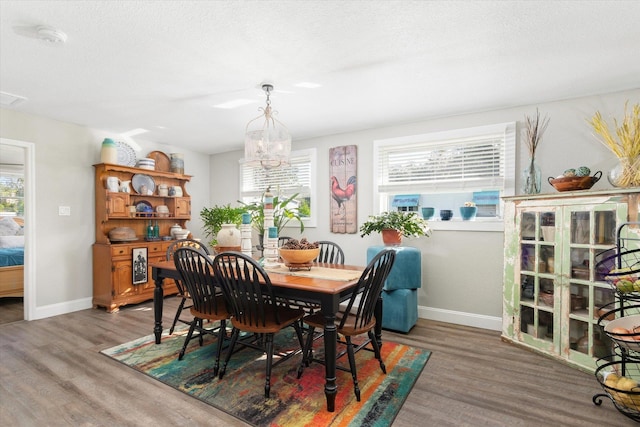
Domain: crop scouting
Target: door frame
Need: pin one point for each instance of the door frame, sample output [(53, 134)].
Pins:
[(29, 224)]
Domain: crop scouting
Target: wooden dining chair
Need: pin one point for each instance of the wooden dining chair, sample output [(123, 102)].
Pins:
[(357, 319), (182, 293), (330, 252), (254, 308), (196, 269)]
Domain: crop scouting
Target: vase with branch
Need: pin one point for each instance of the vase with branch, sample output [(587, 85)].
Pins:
[(531, 176), (624, 142)]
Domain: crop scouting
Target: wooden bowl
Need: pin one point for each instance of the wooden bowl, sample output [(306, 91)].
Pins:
[(298, 256), (574, 183), (122, 234)]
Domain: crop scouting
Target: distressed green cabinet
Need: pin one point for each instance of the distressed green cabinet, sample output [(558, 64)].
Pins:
[(552, 294)]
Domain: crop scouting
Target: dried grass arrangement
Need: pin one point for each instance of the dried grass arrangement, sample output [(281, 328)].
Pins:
[(624, 142), (534, 128)]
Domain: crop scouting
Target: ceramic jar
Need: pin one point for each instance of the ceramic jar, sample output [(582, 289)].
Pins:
[(177, 163), (163, 190), (109, 152), (173, 229), (229, 236)]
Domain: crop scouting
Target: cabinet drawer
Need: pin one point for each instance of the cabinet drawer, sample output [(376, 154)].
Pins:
[(120, 250), (156, 248)]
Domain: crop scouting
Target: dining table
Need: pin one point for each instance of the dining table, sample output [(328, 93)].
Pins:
[(325, 284)]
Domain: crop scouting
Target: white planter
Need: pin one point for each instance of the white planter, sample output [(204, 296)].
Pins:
[(229, 236)]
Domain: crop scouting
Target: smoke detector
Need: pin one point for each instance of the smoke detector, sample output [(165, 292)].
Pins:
[(50, 35)]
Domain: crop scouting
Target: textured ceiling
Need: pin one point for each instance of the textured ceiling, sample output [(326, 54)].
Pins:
[(163, 65)]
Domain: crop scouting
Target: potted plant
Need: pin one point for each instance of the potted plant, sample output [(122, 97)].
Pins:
[(468, 211), (282, 214), (393, 225), (213, 219)]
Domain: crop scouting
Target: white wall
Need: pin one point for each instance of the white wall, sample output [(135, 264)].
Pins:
[(462, 271), (64, 155)]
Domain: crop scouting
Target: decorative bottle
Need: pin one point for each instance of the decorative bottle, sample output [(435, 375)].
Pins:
[(531, 178), (150, 232)]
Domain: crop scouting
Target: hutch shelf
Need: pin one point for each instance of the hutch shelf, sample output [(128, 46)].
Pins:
[(114, 284), (552, 293)]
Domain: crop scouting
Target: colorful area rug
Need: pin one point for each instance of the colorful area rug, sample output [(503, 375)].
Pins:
[(293, 402)]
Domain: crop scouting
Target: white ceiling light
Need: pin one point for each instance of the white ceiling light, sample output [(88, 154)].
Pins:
[(50, 35), (267, 141)]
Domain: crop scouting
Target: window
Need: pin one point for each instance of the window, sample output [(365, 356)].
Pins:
[(11, 193), (298, 177), (449, 168)]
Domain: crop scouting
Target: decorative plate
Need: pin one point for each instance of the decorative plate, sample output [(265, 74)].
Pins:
[(126, 154), (163, 162), (144, 206), (140, 179)]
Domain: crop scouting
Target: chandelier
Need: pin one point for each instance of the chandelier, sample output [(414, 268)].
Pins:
[(267, 142)]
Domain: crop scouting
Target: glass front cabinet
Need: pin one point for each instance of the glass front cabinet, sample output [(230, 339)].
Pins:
[(552, 294)]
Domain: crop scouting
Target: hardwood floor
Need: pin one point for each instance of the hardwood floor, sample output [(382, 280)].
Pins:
[(52, 374), (11, 309)]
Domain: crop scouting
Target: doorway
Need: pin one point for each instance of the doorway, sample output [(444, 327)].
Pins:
[(17, 195)]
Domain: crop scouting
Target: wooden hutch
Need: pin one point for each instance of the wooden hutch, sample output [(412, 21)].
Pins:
[(113, 264)]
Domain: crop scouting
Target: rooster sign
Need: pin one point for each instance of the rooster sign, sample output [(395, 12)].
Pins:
[(343, 189)]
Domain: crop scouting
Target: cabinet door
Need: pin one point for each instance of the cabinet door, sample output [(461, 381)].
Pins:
[(117, 205), (123, 279), (588, 232), (537, 277), (182, 207)]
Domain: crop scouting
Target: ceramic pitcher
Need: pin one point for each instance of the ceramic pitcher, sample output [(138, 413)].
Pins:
[(113, 183), (125, 187)]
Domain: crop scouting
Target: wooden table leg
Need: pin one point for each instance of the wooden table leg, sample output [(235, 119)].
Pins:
[(158, 300), (330, 344), (330, 387)]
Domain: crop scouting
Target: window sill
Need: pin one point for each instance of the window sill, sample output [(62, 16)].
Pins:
[(457, 224)]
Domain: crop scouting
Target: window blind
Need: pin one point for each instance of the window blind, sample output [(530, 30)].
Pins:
[(445, 165), (285, 180)]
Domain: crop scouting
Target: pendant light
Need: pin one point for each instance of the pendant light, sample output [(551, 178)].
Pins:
[(267, 142)]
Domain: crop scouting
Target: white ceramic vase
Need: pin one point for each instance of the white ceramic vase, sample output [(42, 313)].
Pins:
[(229, 235)]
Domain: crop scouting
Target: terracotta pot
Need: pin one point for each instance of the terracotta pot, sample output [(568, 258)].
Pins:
[(391, 237)]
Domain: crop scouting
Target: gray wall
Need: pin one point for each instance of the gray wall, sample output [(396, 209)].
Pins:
[(462, 270), (64, 155)]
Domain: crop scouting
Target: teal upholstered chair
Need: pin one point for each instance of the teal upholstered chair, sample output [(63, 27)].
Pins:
[(400, 292)]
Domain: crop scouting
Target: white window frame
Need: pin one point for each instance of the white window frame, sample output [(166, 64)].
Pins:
[(381, 191), (311, 191)]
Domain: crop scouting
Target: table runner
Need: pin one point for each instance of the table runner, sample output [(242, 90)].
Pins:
[(317, 272)]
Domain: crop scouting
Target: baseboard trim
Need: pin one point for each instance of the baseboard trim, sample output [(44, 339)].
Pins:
[(431, 313), (61, 308), (461, 318)]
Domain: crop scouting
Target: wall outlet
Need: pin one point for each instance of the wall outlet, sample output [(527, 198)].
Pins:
[(64, 210)]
